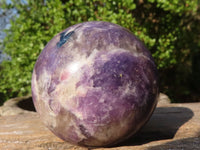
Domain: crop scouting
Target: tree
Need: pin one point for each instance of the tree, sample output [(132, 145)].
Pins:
[(36, 24), (5, 16), (169, 30)]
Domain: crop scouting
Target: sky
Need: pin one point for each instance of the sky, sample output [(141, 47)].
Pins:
[(8, 1), (4, 24)]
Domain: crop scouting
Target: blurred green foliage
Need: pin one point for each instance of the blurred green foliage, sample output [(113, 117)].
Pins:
[(169, 29)]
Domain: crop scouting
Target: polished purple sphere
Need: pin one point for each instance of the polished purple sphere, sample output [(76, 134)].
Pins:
[(95, 84)]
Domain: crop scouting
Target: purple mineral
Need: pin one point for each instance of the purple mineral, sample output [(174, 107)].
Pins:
[(95, 84)]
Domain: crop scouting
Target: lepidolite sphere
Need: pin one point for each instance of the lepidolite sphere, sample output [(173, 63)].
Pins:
[(95, 84)]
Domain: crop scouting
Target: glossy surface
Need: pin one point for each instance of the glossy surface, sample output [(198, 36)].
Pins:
[(95, 84)]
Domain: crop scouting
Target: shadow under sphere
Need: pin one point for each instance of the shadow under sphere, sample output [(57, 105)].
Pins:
[(163, 124)]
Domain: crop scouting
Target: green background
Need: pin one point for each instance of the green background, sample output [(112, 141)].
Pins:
[(169, 29)]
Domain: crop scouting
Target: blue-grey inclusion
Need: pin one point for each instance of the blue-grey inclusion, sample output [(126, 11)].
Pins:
[(64, 38)]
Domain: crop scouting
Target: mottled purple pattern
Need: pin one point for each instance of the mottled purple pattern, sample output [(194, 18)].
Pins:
[(95, 87)]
